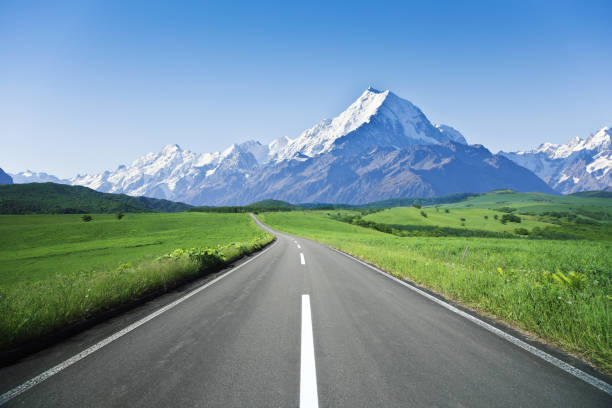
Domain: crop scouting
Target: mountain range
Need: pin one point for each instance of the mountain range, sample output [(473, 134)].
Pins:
[(380, 147), (578, 165)]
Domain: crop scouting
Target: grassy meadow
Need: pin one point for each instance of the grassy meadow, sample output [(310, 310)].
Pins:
[(57, 269), (480, 219), (595, 207), (559, 290)]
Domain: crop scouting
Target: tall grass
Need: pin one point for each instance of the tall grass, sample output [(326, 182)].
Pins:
[(33, 309), (518, 281)]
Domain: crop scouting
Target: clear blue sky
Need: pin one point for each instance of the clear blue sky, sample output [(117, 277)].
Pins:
[(86, 86)]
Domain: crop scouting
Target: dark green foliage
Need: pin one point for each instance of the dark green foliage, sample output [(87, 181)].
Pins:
[(418, 230), (120, 215), (510, 218), (407, 202), (424, 214), (462, 219), (598, 194), (521, 231), (416, 205), (495, 216), (52, 198), (447, 210), (486, 217), (87, 218), (273, 204), (505, 209)]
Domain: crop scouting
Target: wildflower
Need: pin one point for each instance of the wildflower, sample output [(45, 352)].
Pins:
[(569, 302)]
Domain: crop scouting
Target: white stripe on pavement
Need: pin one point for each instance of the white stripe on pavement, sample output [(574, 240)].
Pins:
[(308, 372), (6, 397), (302, 260)]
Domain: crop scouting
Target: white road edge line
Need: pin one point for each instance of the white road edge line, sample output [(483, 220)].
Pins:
[(4, 398), (302, 260), (568, 368), (309, 397), (299, 247)]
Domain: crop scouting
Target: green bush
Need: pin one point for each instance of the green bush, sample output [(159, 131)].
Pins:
[(511, 218), (415, 205), (423, 213), (86, 218), (521, 231)]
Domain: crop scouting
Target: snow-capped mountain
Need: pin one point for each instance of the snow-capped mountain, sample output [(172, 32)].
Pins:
[(578, 165), (29, 176), (381, 146), (380, 173), (173, 173), (376, 118)]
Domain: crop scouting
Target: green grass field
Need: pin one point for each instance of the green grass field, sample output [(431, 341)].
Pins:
[(456, 218), (57, 269), (515, 280), (537, 203)]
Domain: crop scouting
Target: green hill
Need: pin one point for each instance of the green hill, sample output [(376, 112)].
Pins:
[(51, 198), (595, 205), (600, 194)]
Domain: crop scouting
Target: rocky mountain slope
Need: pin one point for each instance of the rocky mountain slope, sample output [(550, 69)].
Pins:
[(578, 165), (5, 178)]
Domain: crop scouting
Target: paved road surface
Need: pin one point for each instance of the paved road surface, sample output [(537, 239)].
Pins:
[(298, 325)]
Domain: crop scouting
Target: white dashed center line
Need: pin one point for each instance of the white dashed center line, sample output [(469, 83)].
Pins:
[(308, 372)]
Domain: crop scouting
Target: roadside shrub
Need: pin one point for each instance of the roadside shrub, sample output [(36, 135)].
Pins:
[(521, 231), (573, 281), (204, 258), (86, 218)]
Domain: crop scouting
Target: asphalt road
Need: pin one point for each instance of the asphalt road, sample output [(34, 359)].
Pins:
[(298, 324)]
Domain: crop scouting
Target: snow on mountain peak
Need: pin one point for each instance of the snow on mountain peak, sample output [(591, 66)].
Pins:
[(578, 165), (171, 148), (376, 118), (598, 141)]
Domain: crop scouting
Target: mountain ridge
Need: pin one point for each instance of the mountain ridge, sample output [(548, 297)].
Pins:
[(578, 165), (396, 148)]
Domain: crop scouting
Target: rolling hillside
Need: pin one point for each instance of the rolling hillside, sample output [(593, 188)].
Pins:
[(51, 198)]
